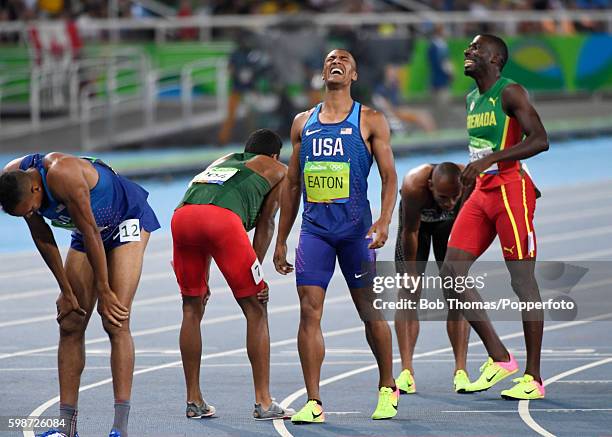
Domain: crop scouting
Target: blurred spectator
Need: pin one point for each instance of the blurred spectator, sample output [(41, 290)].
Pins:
[(50, 8), (440, 73), (388, 99), (185, 10), (440, 66), (246, 65)]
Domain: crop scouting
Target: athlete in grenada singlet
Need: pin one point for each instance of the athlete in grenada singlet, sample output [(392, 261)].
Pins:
[(504, 128)]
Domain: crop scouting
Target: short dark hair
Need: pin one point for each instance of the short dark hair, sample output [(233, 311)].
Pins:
[(500, 48), (13, 187), (447, 170), (264, 142)]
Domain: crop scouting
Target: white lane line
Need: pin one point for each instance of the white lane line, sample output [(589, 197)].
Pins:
[(294, 235), (576, 199), (168, 274), (585, 192), (174, 297), (545, 410), (43, 407), (282, 430), (523, 407), (280, 364), (582, 214), (576, 234), (168, 328), (153, 254), (585, 381), (145, 277)]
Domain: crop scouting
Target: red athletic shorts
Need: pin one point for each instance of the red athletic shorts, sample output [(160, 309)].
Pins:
[(202, 232), (506, 210)]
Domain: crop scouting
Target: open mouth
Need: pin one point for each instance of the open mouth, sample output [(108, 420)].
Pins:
[(336, 71), (468, 63)]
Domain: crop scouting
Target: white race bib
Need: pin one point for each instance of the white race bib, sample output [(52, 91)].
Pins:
[(214, 175), (477, 153), (257, 272), (129, 230)]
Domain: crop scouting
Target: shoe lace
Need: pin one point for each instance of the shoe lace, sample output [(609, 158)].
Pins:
[(385, 397), (521, 379), (486, 364)]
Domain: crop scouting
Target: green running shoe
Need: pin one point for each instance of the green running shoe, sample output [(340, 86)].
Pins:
[(526, 388), (492, 373), (460, 381), (312, 412), (387, 404), (405, 382)]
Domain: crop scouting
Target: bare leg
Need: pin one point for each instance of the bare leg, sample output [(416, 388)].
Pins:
[(124, 269), (459, 334), (258, 347), (190, 341), (458, 263), (378, 334), (311, 346), (71, 350), (526, 288), (407, 330)]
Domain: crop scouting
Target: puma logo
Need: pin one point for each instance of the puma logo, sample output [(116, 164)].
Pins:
[(492, 100), (509, 249)]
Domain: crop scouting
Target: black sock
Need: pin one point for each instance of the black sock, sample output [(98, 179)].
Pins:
[(122, 411), (68, 420)]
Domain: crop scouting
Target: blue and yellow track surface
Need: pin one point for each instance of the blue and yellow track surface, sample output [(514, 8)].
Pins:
[(572, 223)]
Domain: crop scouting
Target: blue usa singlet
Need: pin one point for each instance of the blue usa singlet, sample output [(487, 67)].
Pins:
[(335, 164)]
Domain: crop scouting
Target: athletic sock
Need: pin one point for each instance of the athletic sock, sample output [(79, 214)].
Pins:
[(122, 411), (317, 401), (68, 420)]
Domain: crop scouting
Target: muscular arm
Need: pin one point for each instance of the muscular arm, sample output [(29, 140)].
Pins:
[(68, 184), (290, 197), (47, 247), (515, 101), (264, 229), (67, 181), (412, 203), (380, 140)]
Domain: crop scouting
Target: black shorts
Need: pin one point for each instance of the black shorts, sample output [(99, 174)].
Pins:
[(430, 233)]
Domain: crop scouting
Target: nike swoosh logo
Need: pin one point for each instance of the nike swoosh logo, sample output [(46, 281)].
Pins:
[(360, 275), (529, 392), (316, 416), (310, 132), (491, 378)]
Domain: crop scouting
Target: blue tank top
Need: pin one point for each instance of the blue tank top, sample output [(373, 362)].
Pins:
[(112, 199), (335, 164)]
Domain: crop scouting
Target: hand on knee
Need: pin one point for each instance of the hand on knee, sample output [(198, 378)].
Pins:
[(114, 330), (73, 325)]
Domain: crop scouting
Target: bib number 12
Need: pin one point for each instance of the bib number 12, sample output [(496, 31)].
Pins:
[(129, 230)]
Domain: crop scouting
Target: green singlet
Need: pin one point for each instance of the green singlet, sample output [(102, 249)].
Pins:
[(490, 129), (231, 185)]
